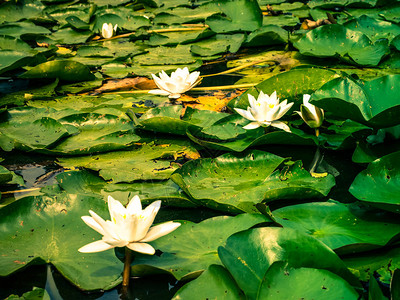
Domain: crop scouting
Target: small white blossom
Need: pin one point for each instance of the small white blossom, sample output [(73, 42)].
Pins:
[(179, 82), (128, 227), (265, 111)]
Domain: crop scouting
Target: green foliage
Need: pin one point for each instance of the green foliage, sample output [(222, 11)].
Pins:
[(55, 232), (193, 247)]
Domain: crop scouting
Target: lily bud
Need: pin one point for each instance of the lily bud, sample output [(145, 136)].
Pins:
[(107, 31), (312, 115)]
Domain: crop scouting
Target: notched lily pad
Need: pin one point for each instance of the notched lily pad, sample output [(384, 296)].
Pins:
[(346, 228), (189, 250), (149, 161), (217, 184), (379, 184), (337, 41), (46, 222), (373, 103)]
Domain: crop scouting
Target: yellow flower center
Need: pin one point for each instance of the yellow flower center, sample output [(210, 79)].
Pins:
[(271, 105)]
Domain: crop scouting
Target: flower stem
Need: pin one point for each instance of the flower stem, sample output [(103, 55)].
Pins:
[(127, 267), (318, 157)]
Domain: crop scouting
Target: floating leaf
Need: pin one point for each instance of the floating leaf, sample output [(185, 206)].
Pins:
[(215, 183), (289, 85), (344, 228), (247, 255), (144, 163), (238, 15), (379, 183), (61, 69), (373, 103), (190, 249), (321, 284), (86, 183), (214, 283), (55, 232), (337, 41)]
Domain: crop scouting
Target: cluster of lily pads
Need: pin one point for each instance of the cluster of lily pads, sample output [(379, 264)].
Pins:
[(253, 199)]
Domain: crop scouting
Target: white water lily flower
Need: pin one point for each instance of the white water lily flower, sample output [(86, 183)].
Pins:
[(265, 111), (312, 115), (128, 227), (179, 82), (107, 31)]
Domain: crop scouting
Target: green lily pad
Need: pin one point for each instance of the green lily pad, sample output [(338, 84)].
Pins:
[(31, 135), (247, 255), (337, 41), (374, 29), (55, 232), (267, 35), (144, 163), (86, 183), (382, 262), (375, 291), (218, 44), (61, 69), (214, 283), (13, 59), (236, 15), (373, 103), (175, 38), (321, 284), (69, 36), (119, 70), (35, 294), (181, 15), (215, 183), (5, 175), (344, 228), (379, 183), (166, 55), (97, 133), (343, 135), (20, 97), (13, 12), (169, 119), (19, 28), (191, 248)]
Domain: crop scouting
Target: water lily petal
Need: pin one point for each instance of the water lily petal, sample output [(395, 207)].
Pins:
[(280, 125), (142, 248), (117, 210), (174, 96), (134, 206), (193, 78), (160, 230), (146, 219), (93, 224), (159, 92), (273, 114), (108, 229), (159, 82), (252, 101), (245, 113), (252, 125), (96, 246)]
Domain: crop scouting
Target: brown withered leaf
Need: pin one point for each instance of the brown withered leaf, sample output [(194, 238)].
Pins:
[(215, 101), (137, 83)]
